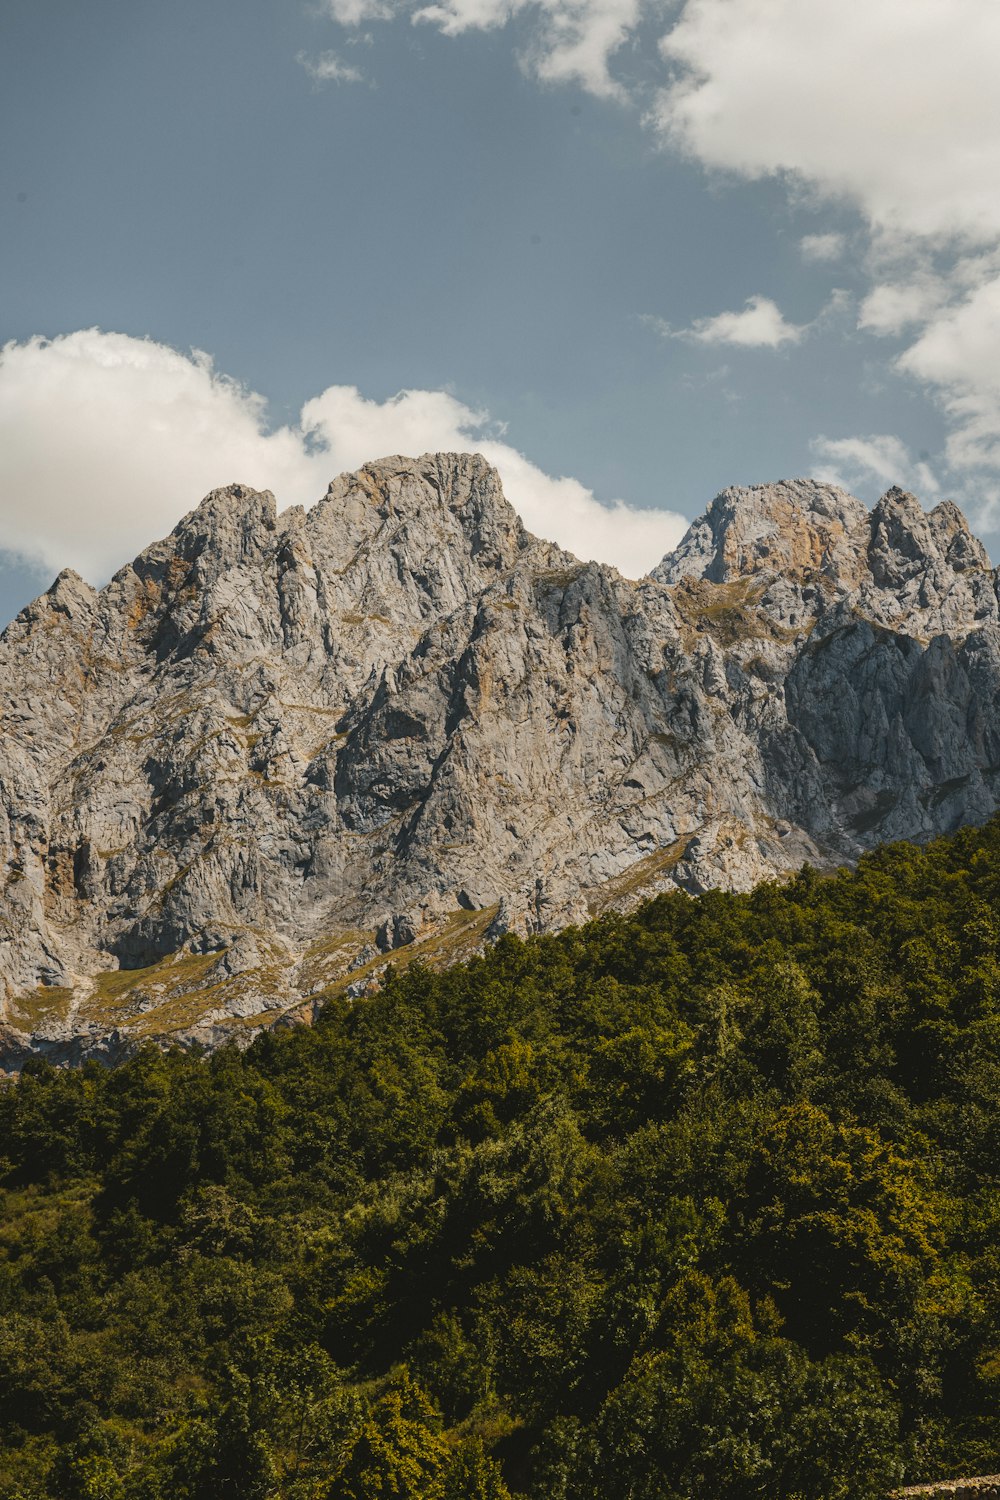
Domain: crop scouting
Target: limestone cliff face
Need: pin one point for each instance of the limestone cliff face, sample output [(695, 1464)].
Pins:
[(275, 748)]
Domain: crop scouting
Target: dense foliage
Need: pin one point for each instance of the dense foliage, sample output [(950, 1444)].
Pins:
[(699, 1203)]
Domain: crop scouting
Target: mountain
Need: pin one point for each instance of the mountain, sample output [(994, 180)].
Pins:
[(275, 749)]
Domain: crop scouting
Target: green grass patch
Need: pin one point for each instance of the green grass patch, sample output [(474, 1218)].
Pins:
[(40, 1007)]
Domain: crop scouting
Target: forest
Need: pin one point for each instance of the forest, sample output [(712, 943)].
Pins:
[(699, 1202)]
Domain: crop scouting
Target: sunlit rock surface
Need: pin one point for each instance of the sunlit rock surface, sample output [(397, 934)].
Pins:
[(276, 748)]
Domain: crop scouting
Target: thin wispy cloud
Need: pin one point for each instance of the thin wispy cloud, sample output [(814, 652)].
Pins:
[(570, 41), (891, 308), (358, 12), (823, 247), (759, 324), (328, 67), (881, 459)]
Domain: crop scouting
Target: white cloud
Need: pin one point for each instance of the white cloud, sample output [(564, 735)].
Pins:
[(822, 247), (892, 307), (329, 68), (358, 12), (961, 342), (890, 105), (577, 41), (883, 458), (957, 354), (569, 40), (868, 466), (759, 325), (106, 440), (453, 17)]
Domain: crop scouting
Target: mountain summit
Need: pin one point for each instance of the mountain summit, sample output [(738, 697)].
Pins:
[(276, 748)]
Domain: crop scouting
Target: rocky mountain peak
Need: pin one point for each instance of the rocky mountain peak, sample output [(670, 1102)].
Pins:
[(454, 499), (893, 562), (792, 528), (70, 594), (906, 541), (232, 525), (405, 539), (278, 746)]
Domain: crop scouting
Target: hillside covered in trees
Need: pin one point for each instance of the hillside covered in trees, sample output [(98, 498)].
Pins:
[(700, 1202)]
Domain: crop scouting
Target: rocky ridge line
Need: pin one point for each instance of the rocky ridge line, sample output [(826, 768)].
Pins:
[(277, 748)]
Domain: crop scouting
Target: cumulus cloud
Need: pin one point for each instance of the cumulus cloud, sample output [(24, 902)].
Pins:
[(881, 459), (890, 106), (956, 353), (868, 466), (106, 440), (577, 40), (892, 307), (759, 325)]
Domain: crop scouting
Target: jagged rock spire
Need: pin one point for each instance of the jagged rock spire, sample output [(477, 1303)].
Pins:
[(794, 527)]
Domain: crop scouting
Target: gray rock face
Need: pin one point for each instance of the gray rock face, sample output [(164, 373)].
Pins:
[(276, 749)]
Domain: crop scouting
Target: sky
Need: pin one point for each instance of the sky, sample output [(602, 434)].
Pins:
[(633, 252)]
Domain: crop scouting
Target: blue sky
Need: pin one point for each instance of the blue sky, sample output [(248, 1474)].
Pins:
[(633, 253)]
